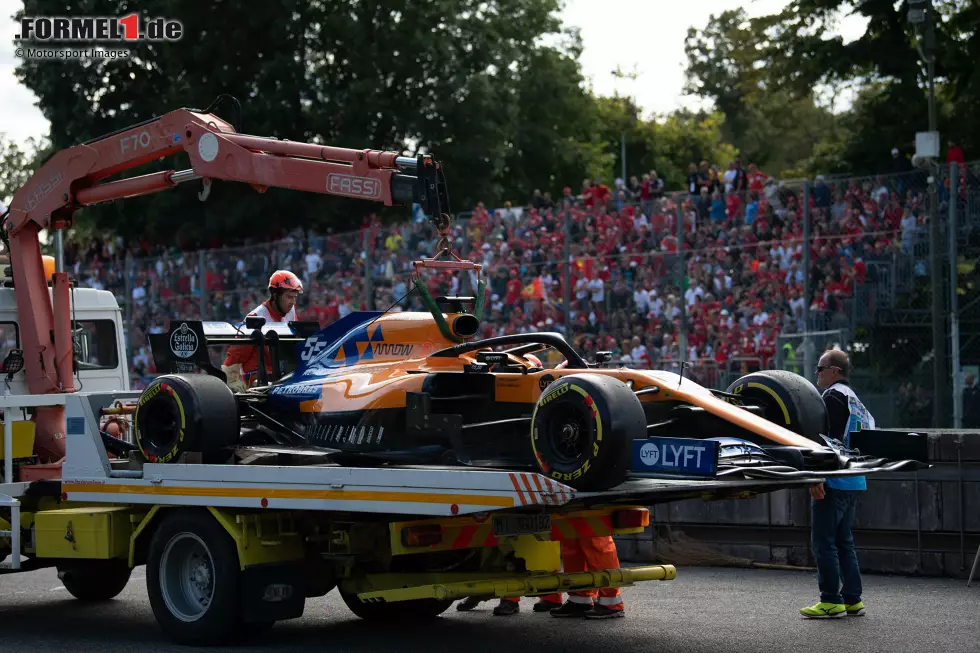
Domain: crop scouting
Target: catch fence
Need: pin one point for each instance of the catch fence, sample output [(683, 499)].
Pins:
[(707, 282)]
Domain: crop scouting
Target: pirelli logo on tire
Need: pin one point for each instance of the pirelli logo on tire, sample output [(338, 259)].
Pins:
[(554, 394)]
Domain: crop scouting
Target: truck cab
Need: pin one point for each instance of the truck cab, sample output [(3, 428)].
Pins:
[(97, 330)]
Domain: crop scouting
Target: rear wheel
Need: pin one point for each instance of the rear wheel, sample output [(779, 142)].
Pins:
[(177, 414), (787, 399), (193, 579), (95, 580), (582, 431)]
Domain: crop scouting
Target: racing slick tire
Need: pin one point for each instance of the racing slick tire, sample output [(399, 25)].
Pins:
[(95, 580), (787, 399), (177, 414), (582, 431), (397, 611)]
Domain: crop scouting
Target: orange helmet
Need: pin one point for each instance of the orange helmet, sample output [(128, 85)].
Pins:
[(285, 280), (535, 361)]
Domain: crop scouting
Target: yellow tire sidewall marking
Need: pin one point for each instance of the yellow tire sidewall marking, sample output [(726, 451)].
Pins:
[(587, 465), (149, 394), (772, 393)]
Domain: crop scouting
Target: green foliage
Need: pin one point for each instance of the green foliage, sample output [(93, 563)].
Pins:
[(18, 163), (467, 80), (770, 124), (666, 144), (494, 90), (762, 73), (555, 138), (683, 138)]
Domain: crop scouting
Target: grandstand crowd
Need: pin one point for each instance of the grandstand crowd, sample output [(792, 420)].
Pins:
[(741, 235)]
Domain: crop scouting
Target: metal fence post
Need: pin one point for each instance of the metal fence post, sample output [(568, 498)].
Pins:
[(202, 278), (954, 323), (940, 377), (368, 286), (128, 281), (681, 277), (463, 221), (567, 286), (808, 363)]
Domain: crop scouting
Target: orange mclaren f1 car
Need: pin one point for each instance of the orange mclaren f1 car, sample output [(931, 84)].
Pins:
[(396, 388)]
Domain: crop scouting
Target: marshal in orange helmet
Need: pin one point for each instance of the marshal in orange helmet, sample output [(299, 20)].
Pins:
[(241, 363)]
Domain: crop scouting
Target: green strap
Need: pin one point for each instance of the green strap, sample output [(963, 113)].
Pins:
[(436, 312), (481, 291)]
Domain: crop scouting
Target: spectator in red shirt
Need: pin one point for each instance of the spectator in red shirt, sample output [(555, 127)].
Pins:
[(955, 153)]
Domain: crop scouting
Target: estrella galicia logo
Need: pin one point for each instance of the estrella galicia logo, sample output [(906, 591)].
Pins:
[(545, 381), (183, 341)]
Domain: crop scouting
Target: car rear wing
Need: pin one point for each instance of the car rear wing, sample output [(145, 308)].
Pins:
[(185, 347)]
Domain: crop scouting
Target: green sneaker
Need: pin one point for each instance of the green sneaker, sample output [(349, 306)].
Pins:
[(824, 611), (856, 610)]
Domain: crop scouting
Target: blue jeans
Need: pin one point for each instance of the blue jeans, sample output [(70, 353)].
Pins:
[(833, 546)]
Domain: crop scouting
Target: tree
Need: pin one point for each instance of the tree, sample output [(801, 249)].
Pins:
[(556, 137), (665, 143), (18, 163), (886, 68), (457, 78), (772, 125)]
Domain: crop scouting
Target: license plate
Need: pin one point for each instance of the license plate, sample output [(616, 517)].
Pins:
[(510, 525)]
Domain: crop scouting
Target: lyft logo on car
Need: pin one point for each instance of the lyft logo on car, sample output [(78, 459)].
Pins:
[(675, 455)]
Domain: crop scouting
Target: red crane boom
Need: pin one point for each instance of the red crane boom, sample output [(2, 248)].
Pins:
[(71, 179)]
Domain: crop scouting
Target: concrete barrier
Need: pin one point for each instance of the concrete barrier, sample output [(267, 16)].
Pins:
[(917, 523)]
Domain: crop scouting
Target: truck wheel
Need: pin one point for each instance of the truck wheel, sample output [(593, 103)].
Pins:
[(582, 431), (787, 399), (95, 580), (193, 578), (402, 611), (185, 413)]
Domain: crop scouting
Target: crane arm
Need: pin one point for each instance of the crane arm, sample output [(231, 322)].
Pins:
[(74, 178)]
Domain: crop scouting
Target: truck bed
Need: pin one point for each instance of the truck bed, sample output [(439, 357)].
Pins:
[(89, 475)]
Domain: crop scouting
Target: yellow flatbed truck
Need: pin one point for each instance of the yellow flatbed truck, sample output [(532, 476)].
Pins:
[(232, 548)]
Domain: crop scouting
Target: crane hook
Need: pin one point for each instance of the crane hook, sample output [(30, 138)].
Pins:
[(203, 195)]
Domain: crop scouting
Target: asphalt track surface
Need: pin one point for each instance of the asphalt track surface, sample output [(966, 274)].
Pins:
[(703, 609)]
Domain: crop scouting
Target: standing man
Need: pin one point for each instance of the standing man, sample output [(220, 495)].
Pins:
[(241, 363), (835, 500)]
